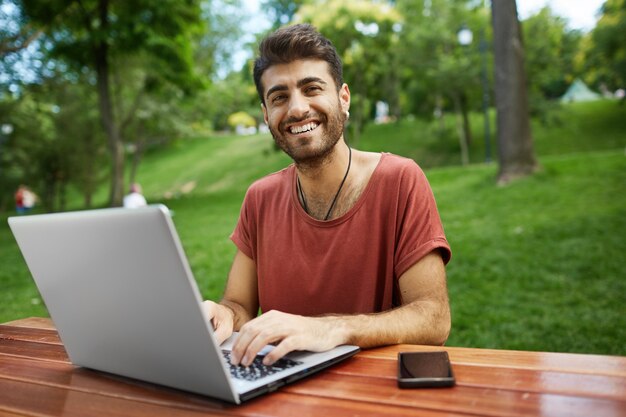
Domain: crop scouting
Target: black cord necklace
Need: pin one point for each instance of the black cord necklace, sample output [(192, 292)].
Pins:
[(332, 205)]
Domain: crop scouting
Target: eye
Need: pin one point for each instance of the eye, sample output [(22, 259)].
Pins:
[(278, 98), (312, 89)]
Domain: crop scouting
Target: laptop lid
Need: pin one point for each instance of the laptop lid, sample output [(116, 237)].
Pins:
[(120, 291)]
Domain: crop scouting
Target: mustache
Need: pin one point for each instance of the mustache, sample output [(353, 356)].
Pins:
[(308, 115)]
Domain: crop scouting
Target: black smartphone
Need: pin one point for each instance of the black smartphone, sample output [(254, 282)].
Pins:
[(424, 369)]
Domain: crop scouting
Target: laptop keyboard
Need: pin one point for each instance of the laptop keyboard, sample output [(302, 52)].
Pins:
[(257, 370)]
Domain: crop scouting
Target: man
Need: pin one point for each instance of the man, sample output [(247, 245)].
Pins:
[(343, 246), (25, 200), (135, 198)]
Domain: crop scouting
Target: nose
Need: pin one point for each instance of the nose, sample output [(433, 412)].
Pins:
[(298, 106)]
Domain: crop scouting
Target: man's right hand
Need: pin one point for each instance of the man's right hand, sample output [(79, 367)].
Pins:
[(222, 319)]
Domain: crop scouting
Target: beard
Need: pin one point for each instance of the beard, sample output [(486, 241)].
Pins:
[(304, 154)]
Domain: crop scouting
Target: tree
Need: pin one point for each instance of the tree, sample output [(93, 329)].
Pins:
[(221, 38), (605, 59), (515, 144), (281, 12), (149, 111), (439, 72), (15, 33), (21, 58), (96, 34), (550, 51), (54, 142)]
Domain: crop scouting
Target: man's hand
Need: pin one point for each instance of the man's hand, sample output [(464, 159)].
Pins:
[(289, 332), (222, 319)]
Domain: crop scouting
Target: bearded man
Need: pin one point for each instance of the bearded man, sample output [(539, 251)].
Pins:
[(342, 246)]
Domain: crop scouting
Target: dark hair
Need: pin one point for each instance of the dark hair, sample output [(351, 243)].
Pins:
[(288, 44)]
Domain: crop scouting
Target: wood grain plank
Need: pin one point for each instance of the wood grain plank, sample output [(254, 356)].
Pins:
[(29, 398), (67, 376), (517, 379), (482, 401), (491, 382), (29, 334), (81, 404), (554, 382), (33, 322), (64, 376), (7, 413), (547, 361), (286, 404), (36, 350), (43, 399)]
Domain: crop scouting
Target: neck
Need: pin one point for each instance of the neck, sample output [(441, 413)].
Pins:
[(319, 189), (320, 172)]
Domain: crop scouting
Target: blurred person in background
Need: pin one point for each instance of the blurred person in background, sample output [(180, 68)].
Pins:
[(25, 200), (135, 198)]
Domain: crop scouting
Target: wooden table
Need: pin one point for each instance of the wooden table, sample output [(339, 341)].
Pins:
[(37, 379)]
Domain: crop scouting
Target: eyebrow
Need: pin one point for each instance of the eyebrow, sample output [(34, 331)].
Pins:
[(304, 81)]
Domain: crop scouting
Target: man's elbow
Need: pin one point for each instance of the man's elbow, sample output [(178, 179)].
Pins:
[(432, 324), (439, 330)]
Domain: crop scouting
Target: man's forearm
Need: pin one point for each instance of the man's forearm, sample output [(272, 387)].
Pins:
[(420, 322)]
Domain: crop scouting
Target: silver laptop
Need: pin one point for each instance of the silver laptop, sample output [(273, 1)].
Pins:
[(120, 291)]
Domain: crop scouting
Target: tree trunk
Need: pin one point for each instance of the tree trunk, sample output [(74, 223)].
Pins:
[(439, 115), (461, 129), (137, 155), (395, 108), (515, 145), (89, 171), (467, 129), (62, 190), (115, 145), (358, 111)]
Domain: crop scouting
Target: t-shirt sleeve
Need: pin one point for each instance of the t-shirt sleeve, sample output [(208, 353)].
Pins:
[(243, 235), (419, 230)]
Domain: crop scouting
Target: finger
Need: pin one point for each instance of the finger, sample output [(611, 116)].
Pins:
[(211, 312), (262, 339), (253, 337), (282, 349), (221, 325), (248, 345), (222, 333), (256, 334), (241, 343), (209, 308)]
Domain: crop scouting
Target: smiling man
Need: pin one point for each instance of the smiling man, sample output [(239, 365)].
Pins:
[(342, 246)]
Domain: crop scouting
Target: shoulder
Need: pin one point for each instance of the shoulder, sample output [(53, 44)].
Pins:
[(392, 161), (268, 197), (270, 188)]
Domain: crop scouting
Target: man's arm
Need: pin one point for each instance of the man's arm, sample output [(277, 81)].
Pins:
[(423, 318), (240, 303)]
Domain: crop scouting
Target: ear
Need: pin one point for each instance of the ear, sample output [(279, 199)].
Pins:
[(344, 97), (265, 114)]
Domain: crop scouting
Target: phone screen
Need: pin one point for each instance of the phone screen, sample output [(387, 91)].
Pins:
[(424, 369)]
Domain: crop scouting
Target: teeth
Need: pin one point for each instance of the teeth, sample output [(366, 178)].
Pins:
[(307, 127)]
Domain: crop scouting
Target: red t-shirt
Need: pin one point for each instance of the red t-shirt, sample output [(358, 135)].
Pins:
[(347, 265)]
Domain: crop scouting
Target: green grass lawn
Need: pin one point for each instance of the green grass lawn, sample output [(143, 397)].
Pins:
[(537, 265)]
